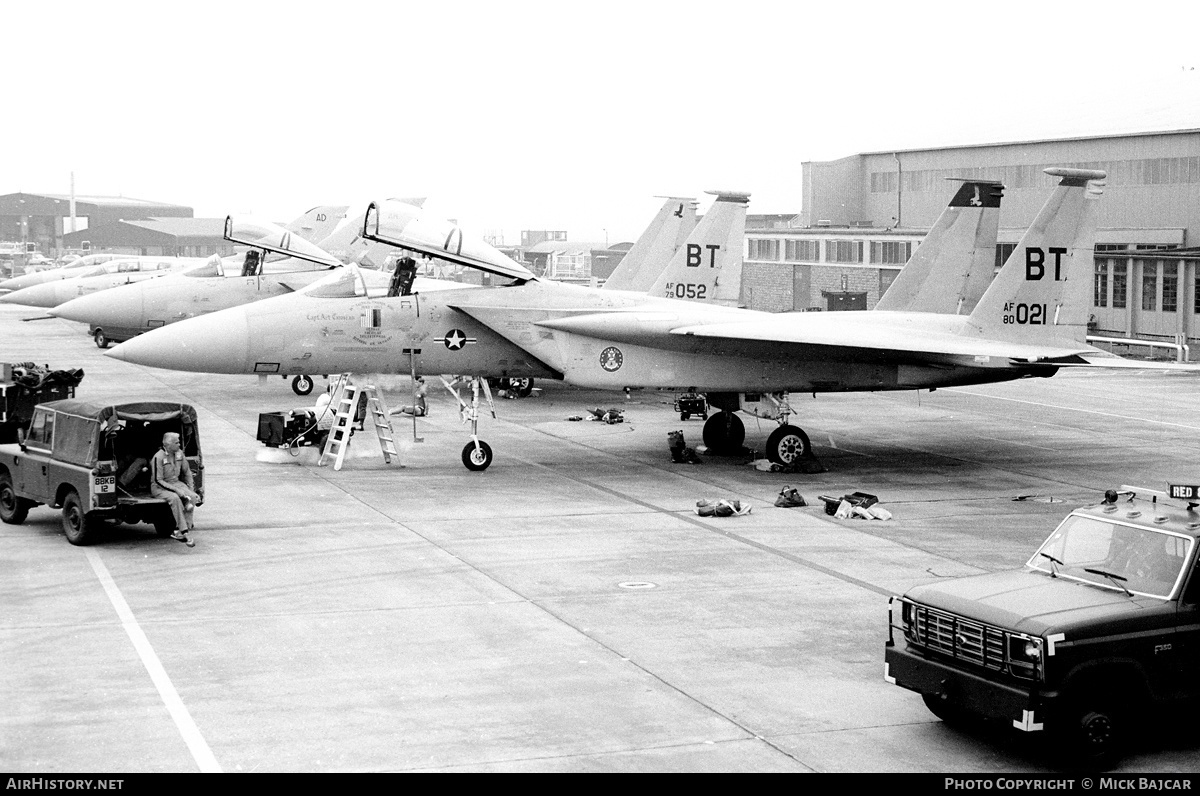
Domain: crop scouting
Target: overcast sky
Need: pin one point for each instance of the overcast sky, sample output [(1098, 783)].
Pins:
[(554, 115)]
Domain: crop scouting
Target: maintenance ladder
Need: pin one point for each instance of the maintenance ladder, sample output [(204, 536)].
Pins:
[(346, 397)]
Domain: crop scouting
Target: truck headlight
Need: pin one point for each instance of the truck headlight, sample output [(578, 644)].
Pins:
[(1024, 656)]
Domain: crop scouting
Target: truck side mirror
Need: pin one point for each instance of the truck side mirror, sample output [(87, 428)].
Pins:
[(21, 438)]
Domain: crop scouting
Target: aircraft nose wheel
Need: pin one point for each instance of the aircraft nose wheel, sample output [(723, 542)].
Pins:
[(302, 385), (787, 444), (477, 458)]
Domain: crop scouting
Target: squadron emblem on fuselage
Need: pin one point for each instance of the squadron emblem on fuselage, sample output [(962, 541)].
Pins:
[(611, 359)]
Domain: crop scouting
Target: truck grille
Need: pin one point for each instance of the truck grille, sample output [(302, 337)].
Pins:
[(958, 638), (968, 642)]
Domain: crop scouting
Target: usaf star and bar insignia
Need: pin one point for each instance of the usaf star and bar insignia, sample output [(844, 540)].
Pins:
[(456, 339)]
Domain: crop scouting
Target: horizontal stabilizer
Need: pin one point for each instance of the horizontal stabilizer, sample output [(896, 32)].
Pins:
[(1103, 359)]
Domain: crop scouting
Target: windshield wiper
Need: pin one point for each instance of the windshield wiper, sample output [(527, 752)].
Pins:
[(1053, 561), (1114, 578)]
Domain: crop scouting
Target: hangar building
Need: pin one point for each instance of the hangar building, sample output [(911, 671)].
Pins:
[(864, 215), (158, 236), (44, 219)]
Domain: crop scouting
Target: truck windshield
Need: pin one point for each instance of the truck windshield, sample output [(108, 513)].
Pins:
[(1150, 562)]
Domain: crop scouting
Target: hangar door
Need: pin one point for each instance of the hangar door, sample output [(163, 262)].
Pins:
[(841, 300)]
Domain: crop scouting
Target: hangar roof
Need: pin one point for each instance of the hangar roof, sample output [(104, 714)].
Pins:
[(107, 207), (182, 227), (565, 247), (109, 201)]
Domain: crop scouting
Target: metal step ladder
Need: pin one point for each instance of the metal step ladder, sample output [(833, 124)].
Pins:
[(346, 395)]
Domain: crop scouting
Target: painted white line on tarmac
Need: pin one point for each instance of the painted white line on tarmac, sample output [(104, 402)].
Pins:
[(183, 720), (1074, 409)]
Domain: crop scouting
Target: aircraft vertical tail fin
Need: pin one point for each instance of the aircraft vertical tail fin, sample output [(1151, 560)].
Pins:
[(708, 266), (317, 222), (953, 266), (1043, 291), (654, 249)]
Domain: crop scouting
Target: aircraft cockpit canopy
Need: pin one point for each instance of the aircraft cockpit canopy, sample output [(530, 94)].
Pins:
[(343, 283)]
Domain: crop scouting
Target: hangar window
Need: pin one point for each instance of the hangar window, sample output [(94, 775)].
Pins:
[(890, 252), (802, 250), (843, 251), (1119, 284), (1170, 282), (1150, 286), (1196, 294), (883, 182), (1003, 250), (763, 249), (1100, 294)]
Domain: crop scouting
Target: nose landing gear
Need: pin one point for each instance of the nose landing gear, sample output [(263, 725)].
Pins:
[(787, 444), (477, 454)]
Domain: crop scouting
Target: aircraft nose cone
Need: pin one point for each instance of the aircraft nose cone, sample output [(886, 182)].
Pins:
[(105, 308), (36, 296), (216, 343)]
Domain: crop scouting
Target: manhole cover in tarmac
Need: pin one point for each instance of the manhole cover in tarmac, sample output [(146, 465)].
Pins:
[(638, 584)]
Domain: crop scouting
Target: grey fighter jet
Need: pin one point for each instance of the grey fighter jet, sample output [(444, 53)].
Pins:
[(1030, 322)]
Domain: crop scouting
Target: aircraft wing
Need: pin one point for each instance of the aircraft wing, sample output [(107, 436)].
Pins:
[(911, 343), (405, 226), (274, 238), (919, 344)]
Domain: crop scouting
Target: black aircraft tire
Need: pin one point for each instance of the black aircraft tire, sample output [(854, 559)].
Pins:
[(302, 385), (522, 387), (724, 431), (477, 459), (101, 339), (76, 524), (788, 444), (13, 509)]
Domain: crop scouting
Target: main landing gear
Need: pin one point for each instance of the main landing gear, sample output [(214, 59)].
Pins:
[(477, 455), (724, 432)]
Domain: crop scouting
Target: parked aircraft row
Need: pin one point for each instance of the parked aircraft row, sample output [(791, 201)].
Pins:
[(945, 322)]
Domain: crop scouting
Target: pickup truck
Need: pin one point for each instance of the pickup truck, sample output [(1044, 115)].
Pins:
[(91, 460), (1097, 636)]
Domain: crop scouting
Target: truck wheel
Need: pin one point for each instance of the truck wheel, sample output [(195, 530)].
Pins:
[(101, 339), (75, 522), (13, 509), (477, 459), (947, 711), (302, 385), (1096, 735)]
